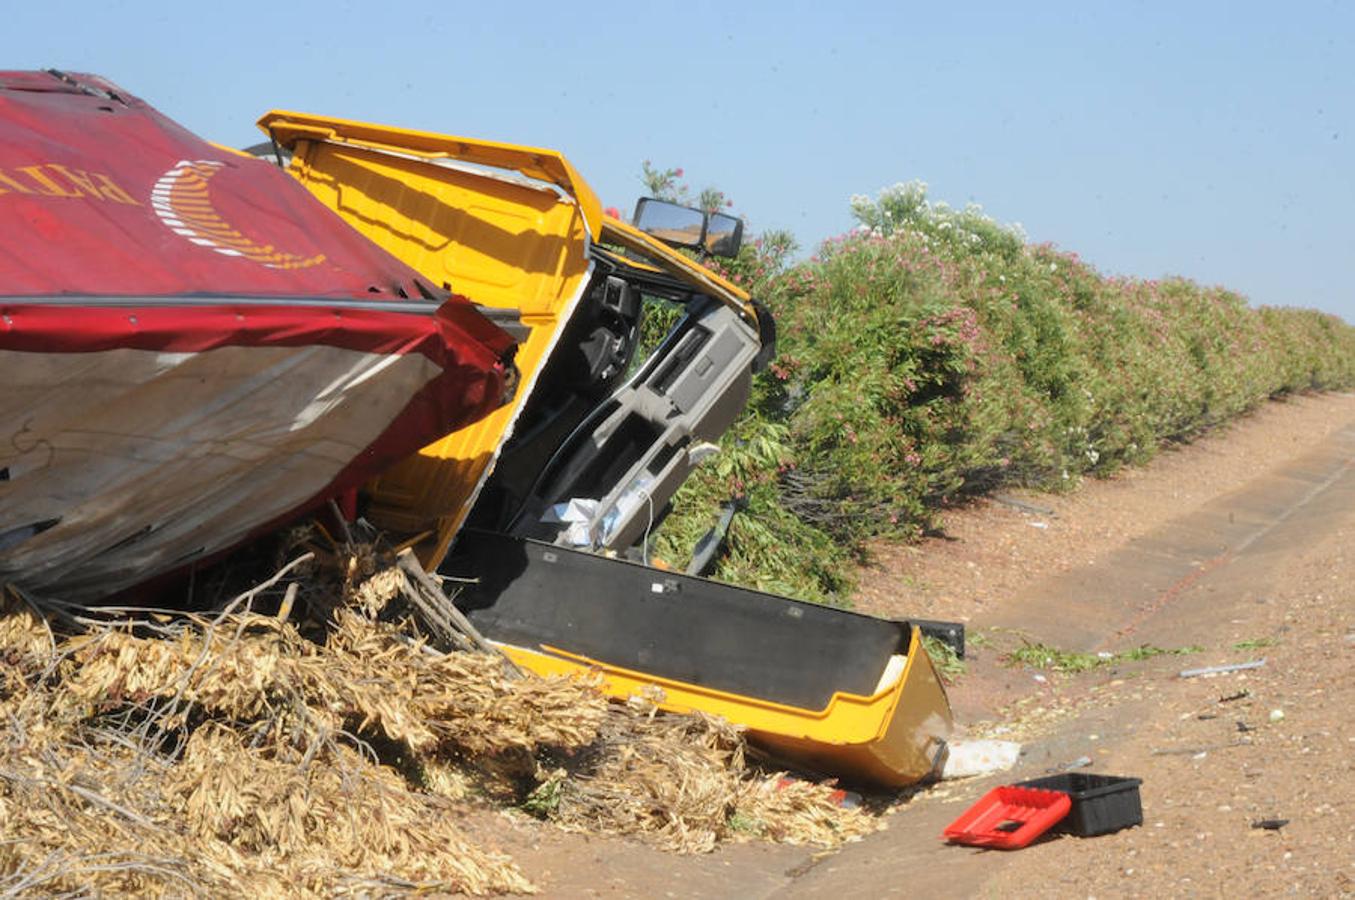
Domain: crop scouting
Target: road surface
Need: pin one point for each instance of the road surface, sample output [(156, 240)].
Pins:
[(1242, 545)]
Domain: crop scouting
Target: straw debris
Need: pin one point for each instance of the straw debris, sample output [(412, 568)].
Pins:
[(334, 751), (684, 782)]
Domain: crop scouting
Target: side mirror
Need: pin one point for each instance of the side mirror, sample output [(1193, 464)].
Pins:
[(680, 226), (684, 226), (724, 235)]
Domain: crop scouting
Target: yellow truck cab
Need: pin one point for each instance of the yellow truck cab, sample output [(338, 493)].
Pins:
[(525, 507), (518, 231)]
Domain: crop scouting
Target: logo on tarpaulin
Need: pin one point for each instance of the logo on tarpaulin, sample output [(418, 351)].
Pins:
[(182, 201)]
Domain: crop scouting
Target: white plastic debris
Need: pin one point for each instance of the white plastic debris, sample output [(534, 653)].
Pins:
[(1277, 715), (576, 513), (702, 452), (968, 758), (1220, 670)]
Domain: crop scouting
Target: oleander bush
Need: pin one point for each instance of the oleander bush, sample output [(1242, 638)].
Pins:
[(933, 354)]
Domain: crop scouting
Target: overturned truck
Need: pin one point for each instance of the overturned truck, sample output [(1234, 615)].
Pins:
[(438, 334)]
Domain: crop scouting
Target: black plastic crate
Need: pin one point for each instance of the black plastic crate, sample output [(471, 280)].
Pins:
[(1101, 803)]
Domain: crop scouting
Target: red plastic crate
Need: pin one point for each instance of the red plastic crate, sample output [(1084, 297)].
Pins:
[(1009, 817)]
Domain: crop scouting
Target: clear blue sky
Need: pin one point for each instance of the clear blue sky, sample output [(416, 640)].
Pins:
[(1212, 140)]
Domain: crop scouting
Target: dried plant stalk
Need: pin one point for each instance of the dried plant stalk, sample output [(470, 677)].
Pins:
[(205, 754)]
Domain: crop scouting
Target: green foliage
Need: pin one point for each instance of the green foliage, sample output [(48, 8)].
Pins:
[(761, 260), (1043, 656), (770, 549), (544, 799), (664, 184), (657, 319), (947, 662), (712, 200), (667, 184), (932, 354), (1148, 651), (905, 208)]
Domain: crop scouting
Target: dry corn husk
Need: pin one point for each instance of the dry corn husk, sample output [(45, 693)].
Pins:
[(683, 782), (234, 754)]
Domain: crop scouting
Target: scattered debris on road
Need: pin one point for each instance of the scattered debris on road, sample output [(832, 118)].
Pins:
[(1078, 803), (1008, 817), (1223, 670), (1101, 804), (1023, 505), (1270, 824), (965, 759), (1197, 751)]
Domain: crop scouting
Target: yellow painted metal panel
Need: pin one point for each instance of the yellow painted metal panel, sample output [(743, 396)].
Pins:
[(524, 247), (892, 737), (291, 128), (502, 244)]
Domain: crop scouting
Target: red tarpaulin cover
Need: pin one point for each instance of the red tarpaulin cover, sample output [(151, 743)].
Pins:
[(103, 195), (192, 347)]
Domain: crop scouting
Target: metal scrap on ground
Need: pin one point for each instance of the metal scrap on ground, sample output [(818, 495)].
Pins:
[(1222, 670)]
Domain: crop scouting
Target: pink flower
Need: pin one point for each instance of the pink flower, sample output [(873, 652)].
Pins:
[(677, 173)]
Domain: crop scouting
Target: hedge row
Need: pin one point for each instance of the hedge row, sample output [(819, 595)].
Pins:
[(933, 354)]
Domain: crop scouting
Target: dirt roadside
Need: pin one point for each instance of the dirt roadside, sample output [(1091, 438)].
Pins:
[(992, 550), (1262, 569), (1239, 544)]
